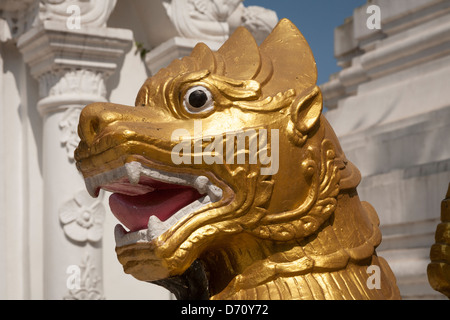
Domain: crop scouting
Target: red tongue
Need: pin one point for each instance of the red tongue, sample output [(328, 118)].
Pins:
[(134, 211)]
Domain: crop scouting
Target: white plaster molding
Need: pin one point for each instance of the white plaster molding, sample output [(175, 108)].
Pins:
[(73, 81), (216, 20), (92, 13), (201, 19), (424, 44), (172, 49), (51, 46), (72, 65), (210, 22), (69, 136), (82, 218), (16, 17), (419, 45)]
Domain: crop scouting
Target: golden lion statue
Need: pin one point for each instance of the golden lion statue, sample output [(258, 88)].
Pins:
[(231, 182)]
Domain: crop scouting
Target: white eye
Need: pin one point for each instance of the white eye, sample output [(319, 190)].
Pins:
[(198, 99)]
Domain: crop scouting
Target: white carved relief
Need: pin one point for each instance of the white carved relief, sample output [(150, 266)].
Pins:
[(72, 82), (216, 19), (259, 21), (201, 19), (16, 17), (88, 286), (69, 137), (82, 218), (93, 13)]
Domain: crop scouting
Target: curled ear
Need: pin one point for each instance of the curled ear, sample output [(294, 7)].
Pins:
[(305, 113)]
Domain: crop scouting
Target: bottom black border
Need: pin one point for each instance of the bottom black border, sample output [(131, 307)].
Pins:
[(279, 310)]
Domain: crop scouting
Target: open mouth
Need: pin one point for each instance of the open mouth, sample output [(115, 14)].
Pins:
[(149, 201)]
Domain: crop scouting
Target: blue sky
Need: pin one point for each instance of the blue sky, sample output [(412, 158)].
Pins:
[(316, 20)]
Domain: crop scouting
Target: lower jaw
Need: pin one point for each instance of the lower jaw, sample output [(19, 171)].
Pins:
[(141, 261), (187, 280)]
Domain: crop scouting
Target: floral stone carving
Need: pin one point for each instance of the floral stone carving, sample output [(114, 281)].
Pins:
[(68, 126), (82, 218)]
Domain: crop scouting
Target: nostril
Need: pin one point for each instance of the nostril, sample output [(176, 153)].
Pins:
[(95, 118), (90, 123)]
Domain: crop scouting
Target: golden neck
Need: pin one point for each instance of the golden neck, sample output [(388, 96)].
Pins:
[(335, 260), (235, 260)]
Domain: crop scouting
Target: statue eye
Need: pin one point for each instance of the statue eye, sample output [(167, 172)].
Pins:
[(198, 99)]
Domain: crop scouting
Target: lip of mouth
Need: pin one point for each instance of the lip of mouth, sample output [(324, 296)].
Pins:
[(149, 201)]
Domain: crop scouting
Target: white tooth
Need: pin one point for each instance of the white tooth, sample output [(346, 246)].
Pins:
[(93, 183), (155, 227), (124, 238), (91, 187), (200, 184), (134, 171), (119, 232), (203, 185), (214, 193)]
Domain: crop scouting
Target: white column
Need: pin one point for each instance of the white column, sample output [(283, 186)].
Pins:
[(15, 282), (71, 65), (3, 242)]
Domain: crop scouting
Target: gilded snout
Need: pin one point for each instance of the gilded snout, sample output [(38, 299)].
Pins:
[(97, 116), (104, 126)]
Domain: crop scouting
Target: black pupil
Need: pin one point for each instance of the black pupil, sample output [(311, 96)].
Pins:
[(198, 98)]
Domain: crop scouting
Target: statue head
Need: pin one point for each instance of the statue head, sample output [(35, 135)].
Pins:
[(222, 149)]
